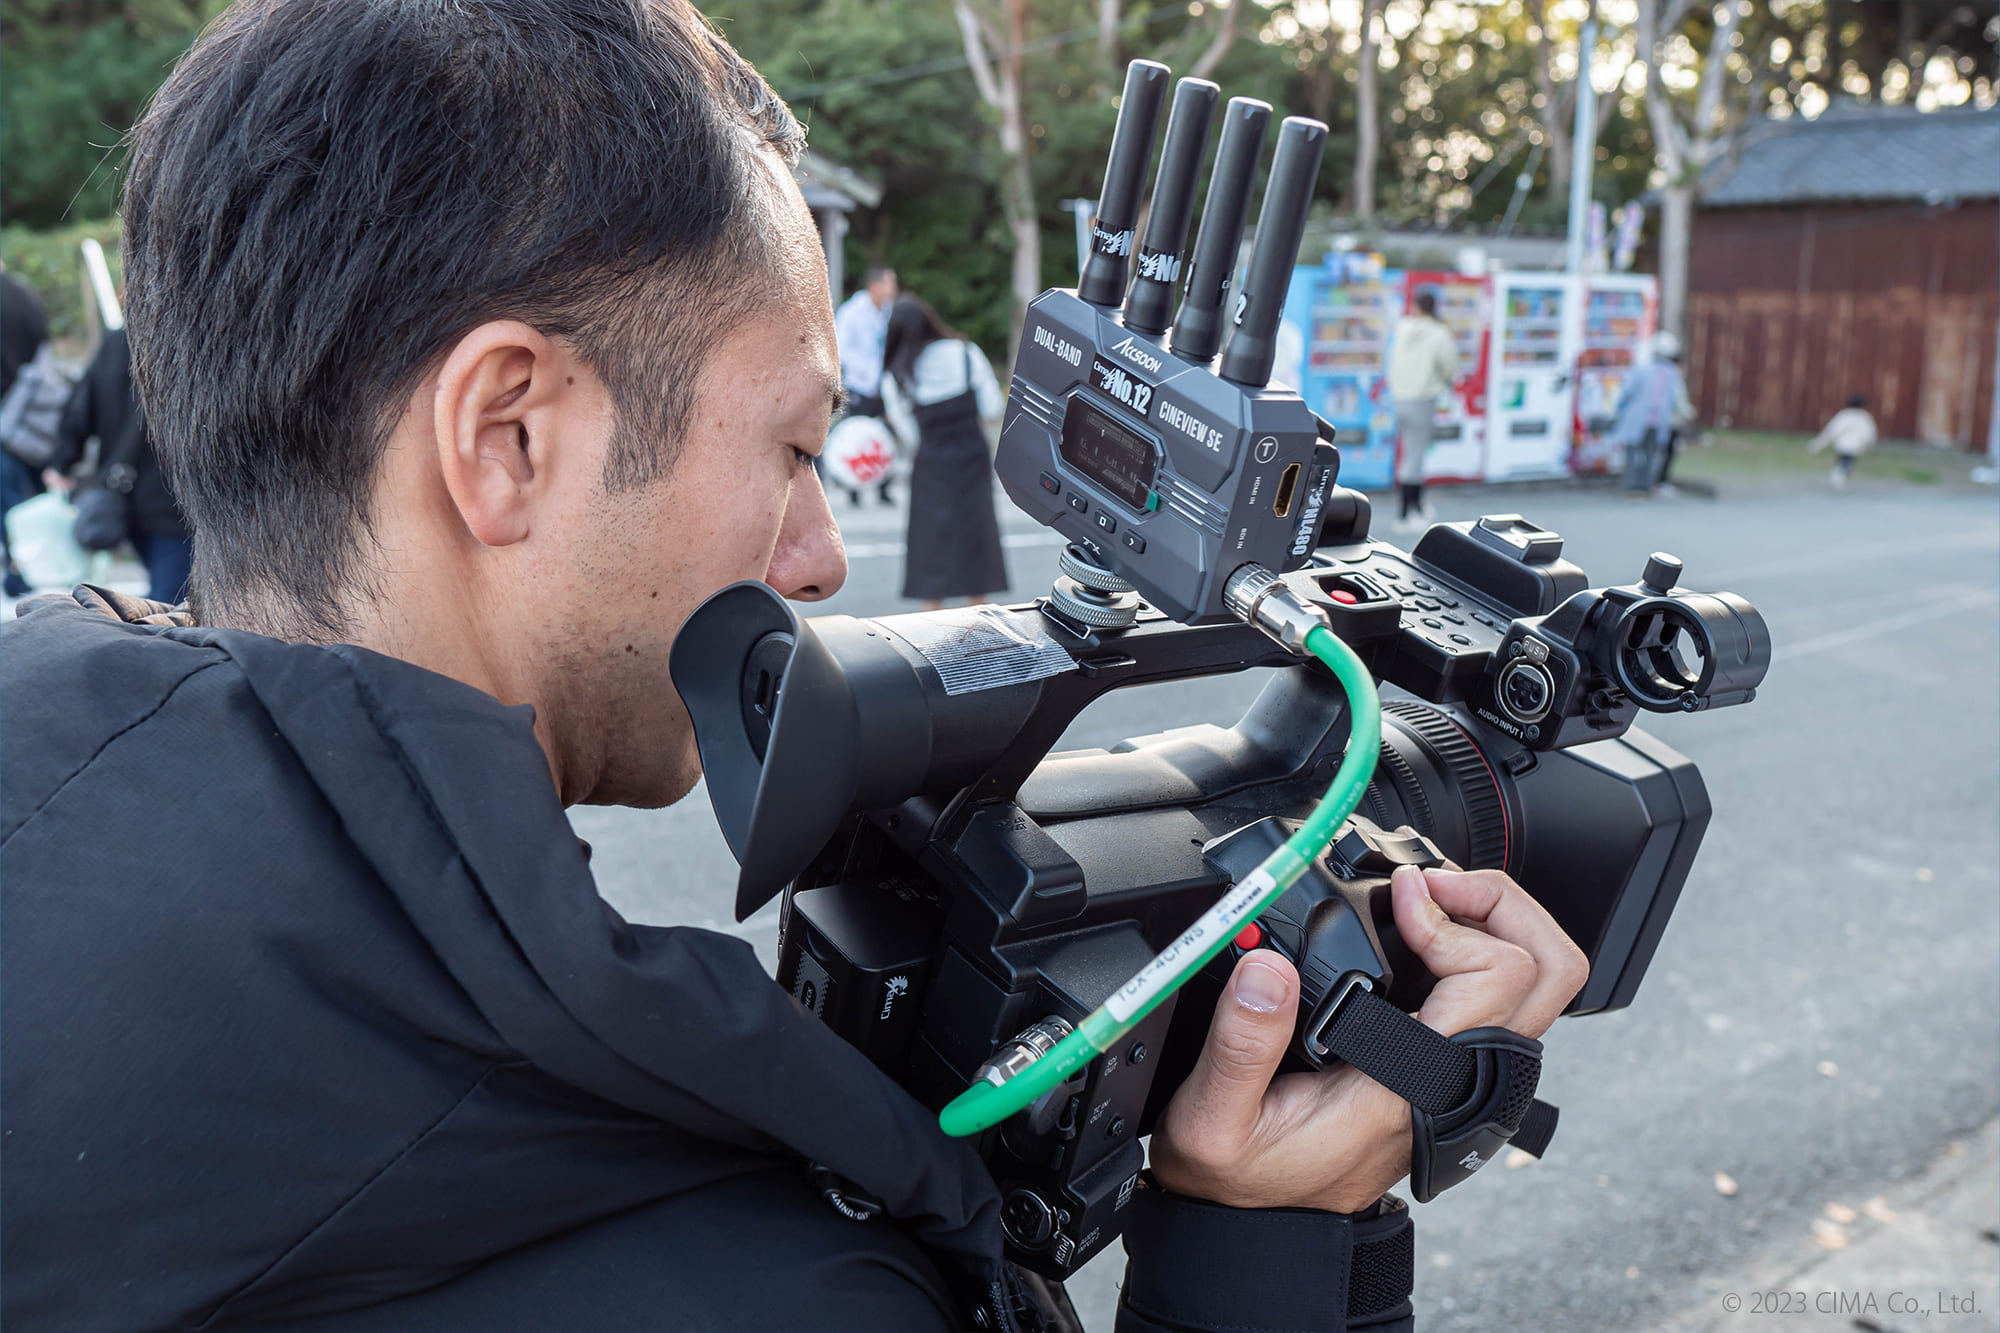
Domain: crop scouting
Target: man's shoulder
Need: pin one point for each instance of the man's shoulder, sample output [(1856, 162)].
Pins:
[(71, 680)]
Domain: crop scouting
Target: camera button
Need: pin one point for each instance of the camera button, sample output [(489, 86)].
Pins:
[(1343, 596), (1135, 543), (1421, 584), (1051, 485), (1079, 504), (1250, 937), (1456, 620), (1460, 638), (1107, 523), (1430, 623)]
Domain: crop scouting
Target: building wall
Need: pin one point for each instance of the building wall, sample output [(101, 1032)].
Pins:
[(1792, 308)]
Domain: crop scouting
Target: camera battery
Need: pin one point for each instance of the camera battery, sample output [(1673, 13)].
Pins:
[(860, 969)]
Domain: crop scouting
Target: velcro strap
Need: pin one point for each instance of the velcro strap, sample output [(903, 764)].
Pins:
[(1538, 1126), (1419, 1064)]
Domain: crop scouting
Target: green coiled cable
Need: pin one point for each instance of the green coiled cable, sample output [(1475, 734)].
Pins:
[(984, 1104)]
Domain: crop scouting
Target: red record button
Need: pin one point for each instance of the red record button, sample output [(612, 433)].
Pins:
[(1250, 936), (1343, 596)]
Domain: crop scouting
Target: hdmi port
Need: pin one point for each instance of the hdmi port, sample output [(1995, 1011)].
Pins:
[(1287, 485)]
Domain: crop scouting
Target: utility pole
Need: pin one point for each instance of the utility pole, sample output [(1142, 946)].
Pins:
[(1583, 143)]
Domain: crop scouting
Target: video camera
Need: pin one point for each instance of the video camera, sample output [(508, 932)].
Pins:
[(960, 903)]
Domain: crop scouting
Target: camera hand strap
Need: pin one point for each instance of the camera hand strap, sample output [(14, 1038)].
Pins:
[(1469, 1095)]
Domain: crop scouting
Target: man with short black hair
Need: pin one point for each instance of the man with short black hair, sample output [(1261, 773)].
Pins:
[(860, 326), (482, 342)]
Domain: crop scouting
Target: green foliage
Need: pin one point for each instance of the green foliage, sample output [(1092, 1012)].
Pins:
[(52, 263), (882, 86), (74, 74)]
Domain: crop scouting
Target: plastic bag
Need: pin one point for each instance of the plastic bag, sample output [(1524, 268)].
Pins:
[(860, 453), (41, 536)]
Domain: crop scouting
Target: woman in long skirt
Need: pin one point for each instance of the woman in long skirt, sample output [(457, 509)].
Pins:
[(938, 390)]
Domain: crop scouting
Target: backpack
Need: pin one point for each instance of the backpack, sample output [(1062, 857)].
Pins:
[(32, 408)]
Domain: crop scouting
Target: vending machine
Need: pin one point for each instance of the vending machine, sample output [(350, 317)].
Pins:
[(1344, 309), (1458, 450), (1620, 313), (1537, 334)]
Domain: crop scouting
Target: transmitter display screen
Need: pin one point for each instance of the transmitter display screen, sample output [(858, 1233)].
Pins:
[(1120, 460)]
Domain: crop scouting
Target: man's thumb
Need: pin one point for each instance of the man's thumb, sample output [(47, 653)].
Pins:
[(1253, 1024)]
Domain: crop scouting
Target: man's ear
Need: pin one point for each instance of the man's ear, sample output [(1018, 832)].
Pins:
[(497, 417)]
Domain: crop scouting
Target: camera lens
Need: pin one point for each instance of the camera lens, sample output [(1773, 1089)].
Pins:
[(1524, 691)]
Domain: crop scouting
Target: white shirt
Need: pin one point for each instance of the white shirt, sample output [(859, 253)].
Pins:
[(945, 369), (1424, 361), (1851, 432), (859, 327)]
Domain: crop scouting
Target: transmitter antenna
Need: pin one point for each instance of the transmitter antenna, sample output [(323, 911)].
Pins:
[(1111, 236), (1151, 300), (1254, 343), (1198, 327)]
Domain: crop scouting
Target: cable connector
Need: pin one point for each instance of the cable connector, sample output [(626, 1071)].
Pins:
[(1263, 599)]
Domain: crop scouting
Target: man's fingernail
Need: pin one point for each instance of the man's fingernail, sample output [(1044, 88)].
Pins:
[(1261, 988)]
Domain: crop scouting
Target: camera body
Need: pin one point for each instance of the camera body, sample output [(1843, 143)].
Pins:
[(958, 899), (985, 892)]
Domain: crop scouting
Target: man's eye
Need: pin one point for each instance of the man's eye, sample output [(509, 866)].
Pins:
[(801, 457)]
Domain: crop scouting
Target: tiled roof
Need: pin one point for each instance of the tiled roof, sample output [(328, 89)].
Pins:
[(1863, 153)]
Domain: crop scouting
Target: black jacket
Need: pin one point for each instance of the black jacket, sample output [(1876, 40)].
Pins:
[(310, 1004), (102, 404)]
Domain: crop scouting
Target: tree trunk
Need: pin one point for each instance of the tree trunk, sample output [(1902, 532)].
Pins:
[(1225, 37), (1367, 120), (1107, 38), (1556, 110), (999, 83), (1676, 231), (1022, 219)]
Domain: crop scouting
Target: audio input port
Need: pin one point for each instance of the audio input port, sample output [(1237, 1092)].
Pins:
[(1525, 690)]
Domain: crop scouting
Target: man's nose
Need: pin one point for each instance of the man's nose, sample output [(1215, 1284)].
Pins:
[(810, 563)]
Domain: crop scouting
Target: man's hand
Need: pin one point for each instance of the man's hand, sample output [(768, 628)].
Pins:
[(1235, 1135), (58, 481)]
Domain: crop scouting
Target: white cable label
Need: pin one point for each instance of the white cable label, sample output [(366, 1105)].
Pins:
[(1223, 920)]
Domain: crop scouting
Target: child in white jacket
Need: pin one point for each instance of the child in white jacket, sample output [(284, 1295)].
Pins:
[(1851, 433)]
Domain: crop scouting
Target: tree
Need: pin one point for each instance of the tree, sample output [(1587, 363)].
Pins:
[(1367, 121), (993, 54), (74, 75), (1685, 141)]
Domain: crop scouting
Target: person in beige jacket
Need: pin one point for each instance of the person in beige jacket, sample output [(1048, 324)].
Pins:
[(1422, 366), (1852, 433)]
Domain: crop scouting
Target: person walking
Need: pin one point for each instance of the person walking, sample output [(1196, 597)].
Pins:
[(1423, 365), (105, 404), (938, 391), (860, 327), (1852, 433), (24, 328), (1651, 407)]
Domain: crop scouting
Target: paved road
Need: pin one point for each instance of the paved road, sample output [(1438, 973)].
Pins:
[(1820, 1019)]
